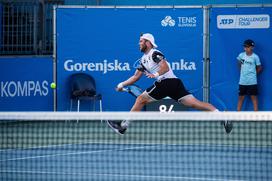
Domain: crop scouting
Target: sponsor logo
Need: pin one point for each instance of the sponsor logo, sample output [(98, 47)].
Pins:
[(107, 66), (23, 88), (187, 21), (182, 21), (226, 21), (104, 66), (168, 21), (183, 65), (257, 21)]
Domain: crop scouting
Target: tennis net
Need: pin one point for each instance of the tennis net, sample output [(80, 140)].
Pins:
[(156, 146)]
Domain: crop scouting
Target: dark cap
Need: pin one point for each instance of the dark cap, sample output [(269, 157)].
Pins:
[(248, 43)]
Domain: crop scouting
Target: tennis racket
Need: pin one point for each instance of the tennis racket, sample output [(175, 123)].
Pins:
[(134, 90)]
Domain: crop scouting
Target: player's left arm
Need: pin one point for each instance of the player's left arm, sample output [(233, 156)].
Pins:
[(259, 67), (159, 58), (164, 67)]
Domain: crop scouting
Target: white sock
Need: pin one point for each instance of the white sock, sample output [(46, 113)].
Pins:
[(125, 123)]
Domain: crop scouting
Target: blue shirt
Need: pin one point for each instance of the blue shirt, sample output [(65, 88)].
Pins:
[(248, 74)]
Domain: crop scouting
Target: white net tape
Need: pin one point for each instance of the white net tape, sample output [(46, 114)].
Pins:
[(171, 116)]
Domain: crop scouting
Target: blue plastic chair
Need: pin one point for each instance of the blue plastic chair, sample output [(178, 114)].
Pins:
[(83, 87)]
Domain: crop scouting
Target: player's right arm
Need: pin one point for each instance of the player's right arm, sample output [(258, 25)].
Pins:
[(131, 80), (240, 60)]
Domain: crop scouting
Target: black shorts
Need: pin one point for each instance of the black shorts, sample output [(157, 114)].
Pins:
[(172, 88), (248, 90)]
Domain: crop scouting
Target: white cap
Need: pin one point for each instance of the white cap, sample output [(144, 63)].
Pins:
[(149, 37)]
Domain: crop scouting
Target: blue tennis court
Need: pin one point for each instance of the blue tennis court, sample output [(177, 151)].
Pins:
[(108, 156), (137, 162)]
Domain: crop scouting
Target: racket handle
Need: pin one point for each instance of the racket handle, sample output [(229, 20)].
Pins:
[(125, 89)]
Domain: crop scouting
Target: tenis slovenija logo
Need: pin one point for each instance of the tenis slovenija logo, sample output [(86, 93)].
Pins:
[(168, 21)]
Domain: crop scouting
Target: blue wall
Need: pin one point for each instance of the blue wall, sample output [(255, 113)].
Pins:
[(178, 2), (1, 10), (25, 84), (163, 2), (226, 44), (85, 45)]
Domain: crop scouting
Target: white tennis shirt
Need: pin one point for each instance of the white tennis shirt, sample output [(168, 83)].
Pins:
[(150, 62)]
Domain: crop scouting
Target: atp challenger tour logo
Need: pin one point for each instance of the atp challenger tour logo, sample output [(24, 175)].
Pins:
[(106, 66), (255, 21)]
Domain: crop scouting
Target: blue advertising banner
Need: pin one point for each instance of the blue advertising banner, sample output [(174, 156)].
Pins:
[(230, 27), (104, 42), (1, 25), (25, 84)]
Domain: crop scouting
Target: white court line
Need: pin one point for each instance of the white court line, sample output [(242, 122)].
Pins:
[(74, 153), (51, 146), (157, 177), (83, 143), (136, 143)]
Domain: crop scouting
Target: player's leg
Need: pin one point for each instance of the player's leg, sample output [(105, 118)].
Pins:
[(156, 92), (121, 126), (178, 92), (240, 102), (241, 98), (255, 102), (191, 101), (184, 97), (253, 92), (141, 101), (145, 98)]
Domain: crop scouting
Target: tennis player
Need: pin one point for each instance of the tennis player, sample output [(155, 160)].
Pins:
[(154, 65)]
